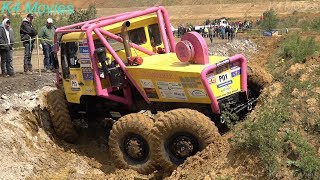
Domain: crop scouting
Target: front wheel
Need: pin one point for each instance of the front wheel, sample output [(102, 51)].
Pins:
[(60, 117), (129, 143), (179, 134)]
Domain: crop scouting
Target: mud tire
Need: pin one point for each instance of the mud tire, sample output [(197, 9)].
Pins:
[(180, 121), (131, 124), (60, 118)]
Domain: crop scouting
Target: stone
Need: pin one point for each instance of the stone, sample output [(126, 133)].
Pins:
[(5, 97)]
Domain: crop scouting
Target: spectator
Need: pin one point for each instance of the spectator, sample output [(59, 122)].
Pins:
[(206, 31), (46, 35), (211, 34), (6, 41), (223, 32), (27, 34)]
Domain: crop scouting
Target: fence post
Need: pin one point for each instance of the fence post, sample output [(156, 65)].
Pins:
[(37, 38)]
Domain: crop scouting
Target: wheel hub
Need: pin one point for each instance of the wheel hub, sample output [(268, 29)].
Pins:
[(136, 147), (182, 145)]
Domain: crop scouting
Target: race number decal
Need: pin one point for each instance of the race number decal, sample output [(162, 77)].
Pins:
[(223, 79)]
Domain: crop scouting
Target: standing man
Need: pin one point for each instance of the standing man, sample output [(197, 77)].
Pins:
[(6, 41), (47, 34), (27, 34), (211, 34)]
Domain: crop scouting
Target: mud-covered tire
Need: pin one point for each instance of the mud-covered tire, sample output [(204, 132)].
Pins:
[(176, 123), (60, 117), (132, 128)]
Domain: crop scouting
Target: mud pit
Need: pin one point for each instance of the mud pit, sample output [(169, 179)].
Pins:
[(30, 148)]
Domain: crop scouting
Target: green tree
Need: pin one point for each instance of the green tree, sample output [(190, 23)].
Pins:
[(270, 20), (80, 15)]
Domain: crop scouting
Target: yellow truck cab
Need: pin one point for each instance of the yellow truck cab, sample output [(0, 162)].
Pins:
[(76, 66)]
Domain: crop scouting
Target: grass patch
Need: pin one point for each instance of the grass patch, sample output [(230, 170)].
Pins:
[(260, 135), (222, 178), (296, 48), (305, 160)]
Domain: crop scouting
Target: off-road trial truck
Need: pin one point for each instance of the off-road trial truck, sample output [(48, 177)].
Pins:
[(120, 67)]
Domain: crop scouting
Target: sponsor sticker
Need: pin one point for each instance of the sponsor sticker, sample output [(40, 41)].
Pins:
[(75, 85), (171, 90), (146, 83), (197, 93), (224, 84), (236, 72), (211, 79), (84, 49)]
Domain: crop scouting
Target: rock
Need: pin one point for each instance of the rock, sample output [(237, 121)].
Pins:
[(213, 175), (4, 97), (6, 106), (312, 102), (295, 93), (32, 97), (139, 177)]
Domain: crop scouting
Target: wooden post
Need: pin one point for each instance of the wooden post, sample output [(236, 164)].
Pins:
[(38, 54)]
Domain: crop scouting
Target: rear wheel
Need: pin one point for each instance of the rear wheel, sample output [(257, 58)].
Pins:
[(179, 134), (60, 118), (129, 143)]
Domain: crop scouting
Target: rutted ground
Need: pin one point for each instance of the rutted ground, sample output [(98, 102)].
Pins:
[(30, 148)]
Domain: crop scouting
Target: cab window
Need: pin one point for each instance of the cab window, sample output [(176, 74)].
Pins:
[(137, 36), (154, 35), (69, 57), (116, 46)]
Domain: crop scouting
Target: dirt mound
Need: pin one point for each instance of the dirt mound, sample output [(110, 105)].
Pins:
[(308, 92), (27, 147), (196, 167)]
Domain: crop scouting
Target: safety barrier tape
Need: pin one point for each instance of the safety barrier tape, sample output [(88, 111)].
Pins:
[(28, 40), (17, 42)]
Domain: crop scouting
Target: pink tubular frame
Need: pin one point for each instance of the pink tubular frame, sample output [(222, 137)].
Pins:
[(96, 26), (243, 63)]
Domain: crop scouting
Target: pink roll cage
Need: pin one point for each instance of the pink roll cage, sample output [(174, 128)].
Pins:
[(96, 26)]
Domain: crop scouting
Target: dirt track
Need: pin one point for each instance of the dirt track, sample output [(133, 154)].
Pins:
[(42, 155), (197, 14), (31, 150)]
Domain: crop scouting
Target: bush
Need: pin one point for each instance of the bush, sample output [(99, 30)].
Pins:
[(261, 135), (297, 49), (80, 15), (270, 20), (315, 24), (306, 162)]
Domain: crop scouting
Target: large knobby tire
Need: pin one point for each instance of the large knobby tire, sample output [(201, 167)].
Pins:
[(60, 118), (129, 143), (179, 134)]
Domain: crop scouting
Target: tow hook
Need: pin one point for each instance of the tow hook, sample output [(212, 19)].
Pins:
[(222, 121), (250, 106)]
